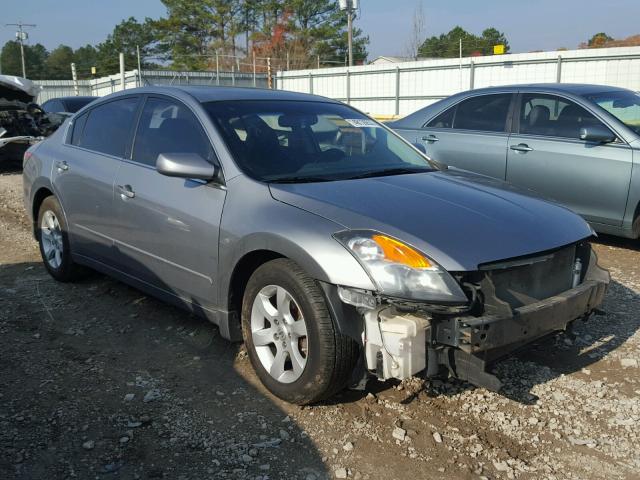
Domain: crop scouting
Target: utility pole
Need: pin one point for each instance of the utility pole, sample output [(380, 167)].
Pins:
[(74, 77), (122, 75), (349, 6), (139, 66), (21, 35), (350, 34), (460, 64)]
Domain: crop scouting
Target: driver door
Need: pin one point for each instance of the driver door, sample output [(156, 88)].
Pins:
[(168, 227), (547, 155)]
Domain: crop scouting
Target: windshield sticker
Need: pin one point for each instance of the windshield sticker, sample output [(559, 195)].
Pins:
[(362, 122)]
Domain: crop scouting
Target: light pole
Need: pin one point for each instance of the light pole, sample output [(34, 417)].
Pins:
[(349, 6), (21, 35)]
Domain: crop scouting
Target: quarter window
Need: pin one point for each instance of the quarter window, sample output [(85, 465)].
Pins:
[(108, 127), (553, 116), (78, 127), (169, 127)]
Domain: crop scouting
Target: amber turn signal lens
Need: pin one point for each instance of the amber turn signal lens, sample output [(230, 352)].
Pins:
[(398, 252)]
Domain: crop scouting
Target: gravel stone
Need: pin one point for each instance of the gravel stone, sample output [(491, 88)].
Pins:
[(340, 472), (152, 395), (399, 433)]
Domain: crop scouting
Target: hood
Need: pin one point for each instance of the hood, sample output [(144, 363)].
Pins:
[(459, 219), (18, 88)]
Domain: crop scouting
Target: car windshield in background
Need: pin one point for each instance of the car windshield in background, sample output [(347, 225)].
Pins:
[(75, 104), (625, 106), (293, 141)]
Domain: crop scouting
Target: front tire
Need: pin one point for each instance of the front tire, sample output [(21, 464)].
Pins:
[(53, 239), (292, 342)]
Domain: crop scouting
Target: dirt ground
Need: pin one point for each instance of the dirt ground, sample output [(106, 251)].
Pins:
[(99, 381)]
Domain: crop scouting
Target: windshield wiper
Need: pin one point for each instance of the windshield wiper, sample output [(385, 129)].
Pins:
[(389, 171), (300, 179)]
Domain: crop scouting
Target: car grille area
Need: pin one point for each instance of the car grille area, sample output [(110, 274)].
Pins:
[(523, 281)]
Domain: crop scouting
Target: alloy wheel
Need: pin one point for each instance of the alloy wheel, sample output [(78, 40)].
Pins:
[(51, 238), (279, 333)]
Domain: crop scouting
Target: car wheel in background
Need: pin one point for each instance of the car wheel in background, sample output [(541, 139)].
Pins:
[(54, 242), (291, 339)]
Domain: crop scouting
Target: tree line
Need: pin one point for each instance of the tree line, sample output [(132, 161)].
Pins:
[(447, 45), (203, 35), (602, 40)]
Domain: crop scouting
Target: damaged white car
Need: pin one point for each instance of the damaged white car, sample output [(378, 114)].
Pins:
[(22, 121)]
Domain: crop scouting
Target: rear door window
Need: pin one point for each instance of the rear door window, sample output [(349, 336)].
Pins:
[(553, 116), (169, 127), (486, 113), (108, 127)]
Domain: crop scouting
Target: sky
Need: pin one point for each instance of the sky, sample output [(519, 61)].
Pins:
[(528, 25)]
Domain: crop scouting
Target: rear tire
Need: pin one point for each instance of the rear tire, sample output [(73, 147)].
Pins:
[(53, 238), (291, 340)]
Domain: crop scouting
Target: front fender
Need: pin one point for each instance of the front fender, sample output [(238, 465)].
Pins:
[(252, 220)]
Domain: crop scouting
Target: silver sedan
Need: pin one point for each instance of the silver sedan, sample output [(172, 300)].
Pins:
[(578, 145), (335, 249)]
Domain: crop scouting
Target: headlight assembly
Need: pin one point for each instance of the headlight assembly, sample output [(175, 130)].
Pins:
[(399, 270)]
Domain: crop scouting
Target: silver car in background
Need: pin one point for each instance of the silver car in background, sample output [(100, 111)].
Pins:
[(326, 242), (578, 145)]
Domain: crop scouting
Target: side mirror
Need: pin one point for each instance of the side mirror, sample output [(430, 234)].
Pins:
[(597, 133), (185, 165)]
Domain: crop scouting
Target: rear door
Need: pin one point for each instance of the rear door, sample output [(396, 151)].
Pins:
[(84, 173), (472, 134), (168, 227), (547, 155)]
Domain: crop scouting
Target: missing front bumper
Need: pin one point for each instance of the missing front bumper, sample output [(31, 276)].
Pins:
[(467, 345)]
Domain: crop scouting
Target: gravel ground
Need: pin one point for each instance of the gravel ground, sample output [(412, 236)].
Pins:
[(101, 381)]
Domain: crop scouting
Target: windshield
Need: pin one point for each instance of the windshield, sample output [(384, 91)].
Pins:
[(623, 105), (294, 141)]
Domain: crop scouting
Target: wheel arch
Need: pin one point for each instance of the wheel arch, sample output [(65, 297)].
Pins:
[(241, 273), (635, 225), (41, 193)]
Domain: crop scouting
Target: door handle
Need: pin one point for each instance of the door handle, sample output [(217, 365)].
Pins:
[(430, 138), (521, 147), (126, 192), (62, 166)]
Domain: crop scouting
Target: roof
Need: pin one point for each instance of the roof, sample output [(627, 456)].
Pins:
[(392, 59), (574, 88), (212, 94)]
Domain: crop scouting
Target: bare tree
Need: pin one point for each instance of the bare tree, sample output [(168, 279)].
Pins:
[(416, 37)]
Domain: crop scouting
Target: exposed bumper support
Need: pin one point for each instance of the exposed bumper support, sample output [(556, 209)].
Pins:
[(466, 345)]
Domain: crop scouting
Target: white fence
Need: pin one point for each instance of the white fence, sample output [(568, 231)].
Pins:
[(106, 85), (405, 87)]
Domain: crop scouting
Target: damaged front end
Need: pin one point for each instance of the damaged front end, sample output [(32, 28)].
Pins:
[(22, 122), (511, 304)]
